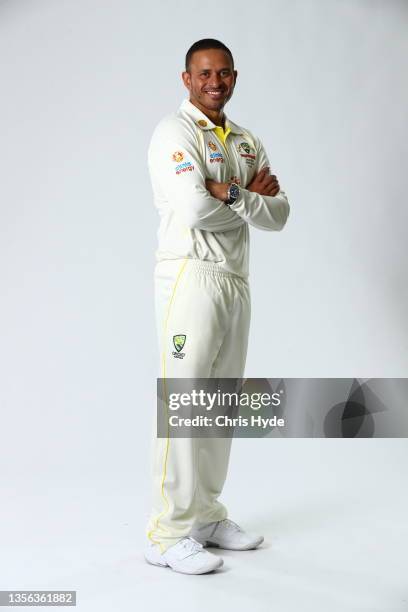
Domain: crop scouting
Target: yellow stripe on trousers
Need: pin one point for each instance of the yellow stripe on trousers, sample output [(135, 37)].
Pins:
[(166, 452)]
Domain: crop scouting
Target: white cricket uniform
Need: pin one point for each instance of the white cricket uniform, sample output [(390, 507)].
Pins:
[(202, 295)]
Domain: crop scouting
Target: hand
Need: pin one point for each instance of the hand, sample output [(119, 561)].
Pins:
[(264, 183), (217, 190)]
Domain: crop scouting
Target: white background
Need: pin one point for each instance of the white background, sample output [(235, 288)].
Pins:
[(83, 84)]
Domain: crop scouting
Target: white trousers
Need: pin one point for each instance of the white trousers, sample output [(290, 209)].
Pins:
[(209, 311)]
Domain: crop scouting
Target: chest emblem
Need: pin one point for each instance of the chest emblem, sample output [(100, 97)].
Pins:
[(244, 149), (212, 146)]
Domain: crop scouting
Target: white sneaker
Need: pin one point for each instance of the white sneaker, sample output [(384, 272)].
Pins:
[(225, 534), (187, 556)]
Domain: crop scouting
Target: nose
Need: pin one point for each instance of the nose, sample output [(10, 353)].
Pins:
[(215, 80)]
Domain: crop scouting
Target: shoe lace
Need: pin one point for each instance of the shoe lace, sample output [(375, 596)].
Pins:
[(230, 525), (191, 545)]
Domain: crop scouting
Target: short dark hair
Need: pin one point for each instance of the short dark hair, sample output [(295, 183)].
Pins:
[(206, 43)]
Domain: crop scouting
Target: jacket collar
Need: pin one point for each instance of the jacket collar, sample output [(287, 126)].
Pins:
[(203, 122)]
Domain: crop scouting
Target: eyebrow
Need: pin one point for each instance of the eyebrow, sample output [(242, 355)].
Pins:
[(209, 69)]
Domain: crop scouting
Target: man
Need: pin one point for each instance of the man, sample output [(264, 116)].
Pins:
[(210, 180)]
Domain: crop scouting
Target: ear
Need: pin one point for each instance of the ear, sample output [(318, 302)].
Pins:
[(235, 76), (186, 79)]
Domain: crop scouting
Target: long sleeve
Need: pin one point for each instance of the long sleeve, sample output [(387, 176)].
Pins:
[(177, 172), (268, 213)]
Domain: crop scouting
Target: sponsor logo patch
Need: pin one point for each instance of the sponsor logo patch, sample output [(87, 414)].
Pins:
[(177, 156), (216, 157), (184, 167)]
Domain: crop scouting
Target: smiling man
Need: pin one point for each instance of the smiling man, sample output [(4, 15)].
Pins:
[(211, 181)]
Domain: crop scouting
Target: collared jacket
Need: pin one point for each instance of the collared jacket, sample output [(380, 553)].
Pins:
[(187, 148)]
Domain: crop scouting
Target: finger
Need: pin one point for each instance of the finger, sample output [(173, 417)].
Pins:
[(272, 189), (267, 181), (263, 172), (270, 180)]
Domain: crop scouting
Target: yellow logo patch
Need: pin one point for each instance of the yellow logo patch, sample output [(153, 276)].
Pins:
[(177, 156)]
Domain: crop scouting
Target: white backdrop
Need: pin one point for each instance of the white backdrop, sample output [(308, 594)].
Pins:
[(83, 84)]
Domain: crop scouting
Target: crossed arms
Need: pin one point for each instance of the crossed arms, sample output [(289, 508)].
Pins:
[(176, 168)]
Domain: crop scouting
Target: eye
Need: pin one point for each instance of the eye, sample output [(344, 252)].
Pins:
[(225, 73)]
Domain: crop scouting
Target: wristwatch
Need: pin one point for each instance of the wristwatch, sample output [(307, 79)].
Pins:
[(232, 194)]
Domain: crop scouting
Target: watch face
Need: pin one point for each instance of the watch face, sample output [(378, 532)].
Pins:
[(233, 191)]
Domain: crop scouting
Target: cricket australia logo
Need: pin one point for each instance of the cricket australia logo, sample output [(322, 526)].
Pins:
[(244, 150), (244, 147), (179, 341)]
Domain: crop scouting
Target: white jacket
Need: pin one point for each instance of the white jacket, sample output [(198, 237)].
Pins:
[(183, 152)]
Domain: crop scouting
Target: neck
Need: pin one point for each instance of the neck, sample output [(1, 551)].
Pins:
[(216, 116)]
